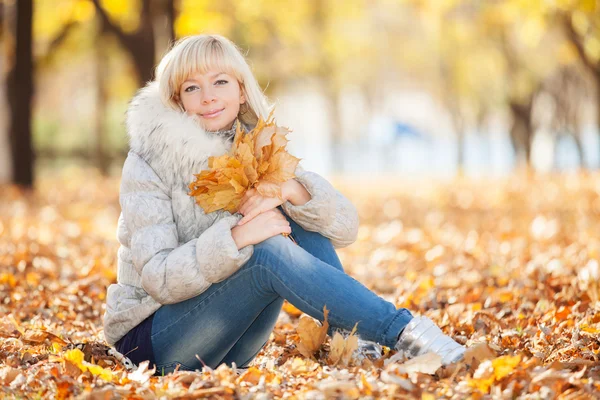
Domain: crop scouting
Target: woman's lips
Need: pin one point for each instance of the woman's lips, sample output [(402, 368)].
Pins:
[(214, 114)]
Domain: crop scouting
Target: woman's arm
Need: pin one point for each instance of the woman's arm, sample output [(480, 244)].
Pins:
[(317, 206), (171, 272)]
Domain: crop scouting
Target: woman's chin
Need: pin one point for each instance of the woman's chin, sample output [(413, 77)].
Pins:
[(211, 126)]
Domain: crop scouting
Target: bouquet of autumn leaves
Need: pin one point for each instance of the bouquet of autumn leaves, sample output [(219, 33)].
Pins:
[(257, 159)]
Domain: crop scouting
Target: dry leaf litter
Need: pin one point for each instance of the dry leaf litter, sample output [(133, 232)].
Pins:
[(507, 267)]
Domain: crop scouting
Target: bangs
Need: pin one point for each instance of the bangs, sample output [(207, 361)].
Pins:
[(210, 55), (200, 54)]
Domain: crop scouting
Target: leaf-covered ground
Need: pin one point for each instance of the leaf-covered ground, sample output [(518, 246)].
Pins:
[(507, 267)]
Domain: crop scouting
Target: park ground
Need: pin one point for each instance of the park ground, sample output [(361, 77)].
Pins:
[(507, 266)]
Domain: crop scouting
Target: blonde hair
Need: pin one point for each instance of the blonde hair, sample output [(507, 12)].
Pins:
[(201, 53)]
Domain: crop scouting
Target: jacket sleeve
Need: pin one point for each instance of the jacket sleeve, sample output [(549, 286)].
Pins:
[(171, 272), (328, 212)]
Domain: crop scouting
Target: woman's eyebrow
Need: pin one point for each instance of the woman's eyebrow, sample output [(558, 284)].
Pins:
[(213, 76)]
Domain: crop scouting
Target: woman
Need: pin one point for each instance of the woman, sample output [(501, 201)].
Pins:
[(200, 289)]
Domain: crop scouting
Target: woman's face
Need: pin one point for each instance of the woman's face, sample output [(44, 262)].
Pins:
[(214, 98)]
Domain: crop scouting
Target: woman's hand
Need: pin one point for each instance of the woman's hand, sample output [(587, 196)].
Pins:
[(253, 203), (265, 225)]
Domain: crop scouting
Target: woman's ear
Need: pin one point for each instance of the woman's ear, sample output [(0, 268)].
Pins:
[(242, 93), (178, 101)]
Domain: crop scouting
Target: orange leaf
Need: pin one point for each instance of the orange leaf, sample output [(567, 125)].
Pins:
[(257, 159), (312, 334)]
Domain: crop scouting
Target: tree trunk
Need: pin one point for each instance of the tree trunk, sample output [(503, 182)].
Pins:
[(5, 158), (521, 132), (101, 100), (170, 15), (143, 58), (597, 77), (140, 44), (164, 15), (593, 66), (20, 93)]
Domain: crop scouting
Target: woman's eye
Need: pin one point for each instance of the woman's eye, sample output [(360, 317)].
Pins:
[(221, 80), (190, 88)]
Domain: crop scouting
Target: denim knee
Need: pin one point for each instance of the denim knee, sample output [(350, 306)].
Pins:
[(270, 246), (277, 252)]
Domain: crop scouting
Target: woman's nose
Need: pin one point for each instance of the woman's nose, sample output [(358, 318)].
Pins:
[(208, 95)]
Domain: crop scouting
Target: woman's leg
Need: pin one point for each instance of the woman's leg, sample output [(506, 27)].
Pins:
[(256, 336), (281, 267), (314, 243), (211, 323)]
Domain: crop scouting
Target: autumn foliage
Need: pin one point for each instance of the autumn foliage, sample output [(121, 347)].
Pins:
[(507, 267), (257, 159)]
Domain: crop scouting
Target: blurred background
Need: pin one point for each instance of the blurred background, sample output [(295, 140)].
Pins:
[(413, 88)]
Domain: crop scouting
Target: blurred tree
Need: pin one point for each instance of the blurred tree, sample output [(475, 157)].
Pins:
[(101, 67), (20, 91), (139, 38), (164, 24), (581, 22), (5, 158), (22, 63), (568, 90), (139, 43), (468, 64), (523, 86), (151, 33)]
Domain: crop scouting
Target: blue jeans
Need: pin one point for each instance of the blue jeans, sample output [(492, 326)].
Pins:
[(232, 320)]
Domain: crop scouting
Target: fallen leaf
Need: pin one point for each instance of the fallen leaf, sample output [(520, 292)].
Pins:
[(312, 334), (8, 374), (426, 363), (341, 349), (142, 374), (474, 355)]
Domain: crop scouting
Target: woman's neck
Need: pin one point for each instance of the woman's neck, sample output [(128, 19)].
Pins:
[(228, 133)]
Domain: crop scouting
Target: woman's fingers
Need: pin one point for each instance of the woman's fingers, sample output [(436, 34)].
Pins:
[(249, 215), (247, 196), (247, 206), (255, 206)]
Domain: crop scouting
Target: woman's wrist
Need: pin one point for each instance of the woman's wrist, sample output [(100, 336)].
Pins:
[(294, 192), (236, 237), (287, 189)]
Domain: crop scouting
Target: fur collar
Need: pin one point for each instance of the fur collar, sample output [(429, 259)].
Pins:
[(172, 142)]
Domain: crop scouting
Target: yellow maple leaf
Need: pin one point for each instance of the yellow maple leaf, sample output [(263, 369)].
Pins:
[(76, 357), (312, 334), (257, 159), (501, 368)]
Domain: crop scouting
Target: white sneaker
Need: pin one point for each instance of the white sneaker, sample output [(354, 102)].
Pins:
[(422, 335)]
